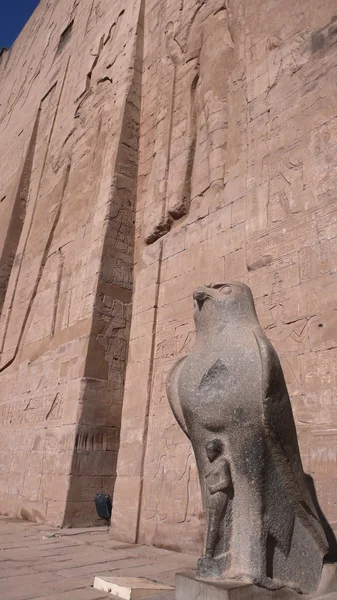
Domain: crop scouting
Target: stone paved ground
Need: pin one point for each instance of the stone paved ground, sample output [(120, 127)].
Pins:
[(37, 561)]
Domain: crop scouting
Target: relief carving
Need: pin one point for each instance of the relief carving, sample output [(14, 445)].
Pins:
[(202, 53), (283, 328), (325, 258), (316, 260), (175, 345), (284, 177), (278, 293), (305, 260), (23, 302), (18, 216), (34, 410), (96, 12), (280, 330), (286, 54), (114, 339), (175, 462), (322, 160)]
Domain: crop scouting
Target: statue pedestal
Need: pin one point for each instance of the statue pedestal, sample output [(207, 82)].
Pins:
[(190, 588)]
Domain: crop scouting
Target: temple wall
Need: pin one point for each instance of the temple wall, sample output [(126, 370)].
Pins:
[(69, 121), (245, 97), (146, 148)]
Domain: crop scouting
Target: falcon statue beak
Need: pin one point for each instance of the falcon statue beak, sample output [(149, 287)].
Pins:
[(200, 296)]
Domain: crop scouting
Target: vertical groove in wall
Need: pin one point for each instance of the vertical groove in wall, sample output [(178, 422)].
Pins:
[(149, 391), (18, 216), (30, 228)]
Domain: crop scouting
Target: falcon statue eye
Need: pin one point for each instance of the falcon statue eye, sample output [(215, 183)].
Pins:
[(226, 289)]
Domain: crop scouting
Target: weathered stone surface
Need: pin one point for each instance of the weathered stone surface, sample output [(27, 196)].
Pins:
[(69, 124), (190, 588), (230, 399), (39, 561), (270, 223), (273, 226)]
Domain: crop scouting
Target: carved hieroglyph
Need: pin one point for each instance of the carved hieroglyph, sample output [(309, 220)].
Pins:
[(230, 398)]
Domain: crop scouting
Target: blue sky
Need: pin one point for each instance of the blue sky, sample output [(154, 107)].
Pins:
[(13, 16)]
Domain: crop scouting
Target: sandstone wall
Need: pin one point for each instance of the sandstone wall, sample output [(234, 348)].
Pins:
[(235, 113), (246, 97), (69, 126)]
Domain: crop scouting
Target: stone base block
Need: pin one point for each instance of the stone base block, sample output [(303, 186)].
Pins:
[(130, 588), (190, 588)]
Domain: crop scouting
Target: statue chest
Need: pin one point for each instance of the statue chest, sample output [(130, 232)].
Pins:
[(222, 385)]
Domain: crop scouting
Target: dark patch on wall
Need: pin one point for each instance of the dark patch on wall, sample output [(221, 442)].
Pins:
[(65, 36), (325, 37), (317, 41), (98, 430)]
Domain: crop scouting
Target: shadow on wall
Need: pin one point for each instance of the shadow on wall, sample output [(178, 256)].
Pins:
[(94, 460), (331, 557)]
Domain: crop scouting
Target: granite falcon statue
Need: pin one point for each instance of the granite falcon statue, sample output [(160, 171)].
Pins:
[(230, 398)]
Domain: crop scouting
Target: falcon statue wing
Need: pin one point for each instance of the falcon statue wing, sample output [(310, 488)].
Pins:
[(281, 432), (173, 394)]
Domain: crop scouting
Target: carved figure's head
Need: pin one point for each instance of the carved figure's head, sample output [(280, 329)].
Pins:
[(213, 449), (217, 304)]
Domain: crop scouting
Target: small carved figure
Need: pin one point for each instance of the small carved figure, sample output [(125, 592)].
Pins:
[(207, 62), (219, 483), (278, 293), (285, 179), (230, 398)]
